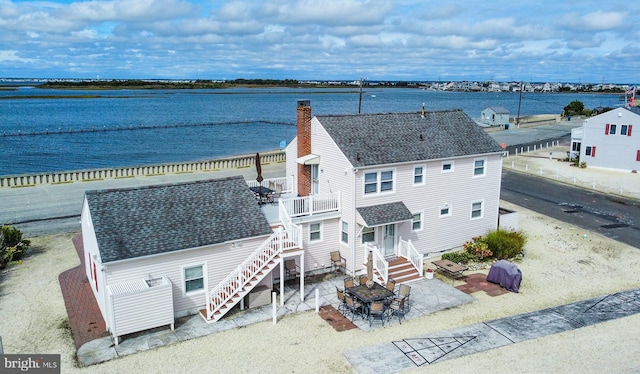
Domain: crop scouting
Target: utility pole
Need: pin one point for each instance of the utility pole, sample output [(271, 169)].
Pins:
[(360, 99), (519, 102)]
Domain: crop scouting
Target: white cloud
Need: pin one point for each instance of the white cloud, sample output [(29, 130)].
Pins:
[(319, 39), (9, 55)]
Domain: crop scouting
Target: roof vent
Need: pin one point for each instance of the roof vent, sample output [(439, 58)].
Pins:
[(421, 137)]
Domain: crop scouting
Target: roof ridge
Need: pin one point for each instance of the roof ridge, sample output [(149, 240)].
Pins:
[(163, 185)]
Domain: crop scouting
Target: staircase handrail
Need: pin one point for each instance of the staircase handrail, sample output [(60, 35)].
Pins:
[(380, 264), (254, 263), (408, 251)]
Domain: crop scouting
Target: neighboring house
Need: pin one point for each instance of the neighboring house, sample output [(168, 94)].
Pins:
[(495, 116), (609, 140), (400, 186)]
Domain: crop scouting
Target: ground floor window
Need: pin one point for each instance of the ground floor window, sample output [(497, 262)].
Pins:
[(193, 278), (345, 232), (368, 234), (476, 209), (416, 224), (315, 230)]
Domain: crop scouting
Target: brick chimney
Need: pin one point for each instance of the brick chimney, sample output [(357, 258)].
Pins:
[(303, 123)]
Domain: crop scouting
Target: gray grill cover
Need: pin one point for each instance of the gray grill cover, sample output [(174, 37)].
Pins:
[(506, 274)]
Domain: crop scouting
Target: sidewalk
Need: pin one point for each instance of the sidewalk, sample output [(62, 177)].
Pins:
[(424, 350), (549, 163)]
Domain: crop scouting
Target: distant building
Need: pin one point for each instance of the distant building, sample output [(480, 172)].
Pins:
[(495, 116), (608, 140)]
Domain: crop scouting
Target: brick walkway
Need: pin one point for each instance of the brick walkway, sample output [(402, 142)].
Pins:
[(478, 282), (84, 314), (336, 319)]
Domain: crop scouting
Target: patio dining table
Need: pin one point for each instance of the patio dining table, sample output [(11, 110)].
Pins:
[(263, 194), (369, 295)]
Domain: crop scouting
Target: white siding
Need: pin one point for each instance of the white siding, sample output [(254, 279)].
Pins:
[(91, 257), (458, 189), (140, 308), (317, 253), (613, 151), (336, 174), (291, 166), (220, 260)]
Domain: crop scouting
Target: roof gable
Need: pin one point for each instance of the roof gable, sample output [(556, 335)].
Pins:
[(377, 139), (150, 220), (499, 109)]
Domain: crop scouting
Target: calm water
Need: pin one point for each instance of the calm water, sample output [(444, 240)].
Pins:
[(203, 124)]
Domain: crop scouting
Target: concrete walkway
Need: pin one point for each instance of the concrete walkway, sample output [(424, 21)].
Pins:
[(427, 296), (423, 350)]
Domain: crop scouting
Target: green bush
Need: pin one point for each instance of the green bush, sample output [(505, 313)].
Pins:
[(497, 245), (12, 246), (462, 257), (505, 244)]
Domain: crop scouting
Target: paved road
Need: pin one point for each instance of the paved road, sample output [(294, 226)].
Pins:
[(612, 216), (48, 209)]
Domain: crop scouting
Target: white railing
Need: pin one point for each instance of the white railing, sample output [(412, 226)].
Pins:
[(408, 251), (380, 264), (285, 183), (310, 205), (279, 241)]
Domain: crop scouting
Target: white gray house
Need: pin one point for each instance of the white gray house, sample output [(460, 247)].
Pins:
[(495, 116), (608, 140), (400, 185)]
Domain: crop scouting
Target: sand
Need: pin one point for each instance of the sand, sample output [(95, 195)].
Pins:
[(561, 266)]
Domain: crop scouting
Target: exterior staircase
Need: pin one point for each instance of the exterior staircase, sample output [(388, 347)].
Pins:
[(401, 270), (222, 298)]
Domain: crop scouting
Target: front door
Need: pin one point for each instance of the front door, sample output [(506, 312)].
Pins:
[(389, 240), (315, 184)]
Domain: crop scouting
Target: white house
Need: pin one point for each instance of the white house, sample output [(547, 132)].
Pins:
[(495, 116), (400, 185), (408, 183), (608, 140)]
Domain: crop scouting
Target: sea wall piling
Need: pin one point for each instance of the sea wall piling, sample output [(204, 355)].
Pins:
[(88, 175)]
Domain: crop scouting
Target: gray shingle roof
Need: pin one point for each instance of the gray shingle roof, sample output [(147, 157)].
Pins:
[(144, 221), (499, 109), (375, 139), (376, 215)]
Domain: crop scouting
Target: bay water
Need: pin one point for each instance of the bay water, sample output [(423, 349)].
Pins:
[(44, 130)]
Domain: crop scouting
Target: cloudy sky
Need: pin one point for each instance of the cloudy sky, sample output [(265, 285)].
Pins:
[(541, 40)]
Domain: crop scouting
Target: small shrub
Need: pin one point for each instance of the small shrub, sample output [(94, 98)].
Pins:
[(478, 248), (12, 246), (459, 257), (583, 165), (505, 244)]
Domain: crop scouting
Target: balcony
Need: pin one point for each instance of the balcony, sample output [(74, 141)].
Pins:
[(311, 205)]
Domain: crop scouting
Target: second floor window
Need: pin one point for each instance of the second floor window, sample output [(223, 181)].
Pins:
[(478, 167), (418, 175), (380, 181)]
